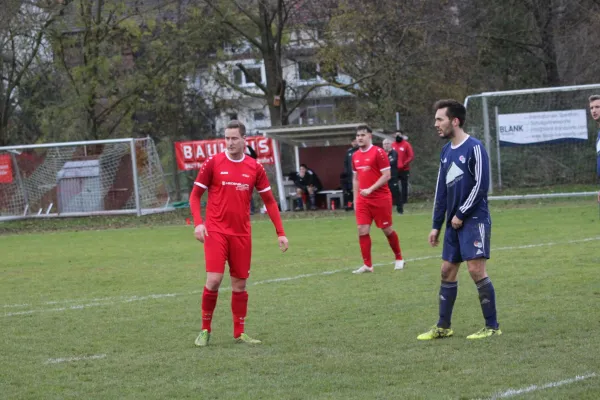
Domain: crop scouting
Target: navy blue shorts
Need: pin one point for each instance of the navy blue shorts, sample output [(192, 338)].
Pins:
[(470, 242)]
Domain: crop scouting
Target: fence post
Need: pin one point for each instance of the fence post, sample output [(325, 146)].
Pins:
[(498, 148), (487, 139), (136, 184)]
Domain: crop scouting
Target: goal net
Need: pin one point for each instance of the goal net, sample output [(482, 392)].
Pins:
[(538, 140), (120, 176)]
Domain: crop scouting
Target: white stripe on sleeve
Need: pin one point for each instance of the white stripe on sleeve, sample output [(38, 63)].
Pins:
[(478, 169)]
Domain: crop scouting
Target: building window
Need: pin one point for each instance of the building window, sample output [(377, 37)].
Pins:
[(310, 71), (233, 116), (256, 75), (240, 79), (307, 70), (259, 116)]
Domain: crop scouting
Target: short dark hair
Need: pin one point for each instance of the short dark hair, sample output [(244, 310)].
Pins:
[(304, 165), (594, 97), (235, 124), (364, 128), (454, 109)]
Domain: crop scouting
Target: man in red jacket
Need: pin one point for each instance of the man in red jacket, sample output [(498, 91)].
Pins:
[(405, 156)]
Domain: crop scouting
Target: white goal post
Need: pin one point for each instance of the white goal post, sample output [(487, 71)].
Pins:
[(99, 177), (540, 141)]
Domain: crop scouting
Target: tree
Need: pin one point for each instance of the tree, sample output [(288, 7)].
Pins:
[(395, 46), (266, 26), (23, 54)]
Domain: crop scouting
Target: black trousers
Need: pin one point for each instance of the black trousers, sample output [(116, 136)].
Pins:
[(403, 179), (348, 195), (395, 189)]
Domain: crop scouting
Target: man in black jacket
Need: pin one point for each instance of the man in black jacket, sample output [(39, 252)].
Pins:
[(307, 183), (251, 153), (347, 177), (393, 182)]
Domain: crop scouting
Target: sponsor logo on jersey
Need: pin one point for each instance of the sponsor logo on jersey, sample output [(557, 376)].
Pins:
[(445, 160), (462, 159), (238, 185), (454, 174)]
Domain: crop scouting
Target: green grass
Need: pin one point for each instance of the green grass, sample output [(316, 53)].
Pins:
[(133, 294)]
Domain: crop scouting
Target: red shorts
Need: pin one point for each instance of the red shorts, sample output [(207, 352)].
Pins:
[(379, 210), (236, 250)]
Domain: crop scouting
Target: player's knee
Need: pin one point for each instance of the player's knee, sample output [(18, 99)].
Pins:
[(388, 231), (238, 285), (363, 230), (449, 272), (477, 269), (213, 283)]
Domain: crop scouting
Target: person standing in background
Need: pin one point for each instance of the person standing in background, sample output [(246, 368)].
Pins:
[(405, 156), (393, 182), (347, 177)]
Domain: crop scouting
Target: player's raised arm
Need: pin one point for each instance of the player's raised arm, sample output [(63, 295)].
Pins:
[(478, 167)]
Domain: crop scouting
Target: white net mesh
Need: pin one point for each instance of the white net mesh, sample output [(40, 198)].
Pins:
[(537, 166), (92, 178)]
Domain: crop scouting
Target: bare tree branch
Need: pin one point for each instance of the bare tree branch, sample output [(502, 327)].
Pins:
[(251, 78), (249, 15), (225, 81), (234, 27)]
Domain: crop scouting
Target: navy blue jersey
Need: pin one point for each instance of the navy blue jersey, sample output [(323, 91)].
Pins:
[(462, 185), (598, 155)]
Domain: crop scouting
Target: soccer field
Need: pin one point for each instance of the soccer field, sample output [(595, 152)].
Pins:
[(113, 314)]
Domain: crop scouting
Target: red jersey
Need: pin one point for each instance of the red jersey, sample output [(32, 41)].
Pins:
[(405, 154), (230, 184), (368, 166)]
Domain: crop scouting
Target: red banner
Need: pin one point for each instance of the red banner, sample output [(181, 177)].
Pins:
[(191, 155), (6, 175)]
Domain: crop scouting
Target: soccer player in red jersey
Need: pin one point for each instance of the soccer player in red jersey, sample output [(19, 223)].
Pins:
[(230, 177), (372, 197)]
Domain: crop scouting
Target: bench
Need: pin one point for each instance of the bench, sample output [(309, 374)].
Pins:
[(329, 196)]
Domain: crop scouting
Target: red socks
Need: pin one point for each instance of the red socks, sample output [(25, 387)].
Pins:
[(209, 302), (239, 308), (365, 249), (395, 245)]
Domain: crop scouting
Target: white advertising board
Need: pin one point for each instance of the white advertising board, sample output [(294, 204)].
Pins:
[(542, 127)]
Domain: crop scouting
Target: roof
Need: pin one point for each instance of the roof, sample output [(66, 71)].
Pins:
[(316, 135)]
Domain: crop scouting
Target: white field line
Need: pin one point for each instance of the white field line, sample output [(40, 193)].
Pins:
[(106, 301), (535, 388), (71, 359), (15, 305)]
